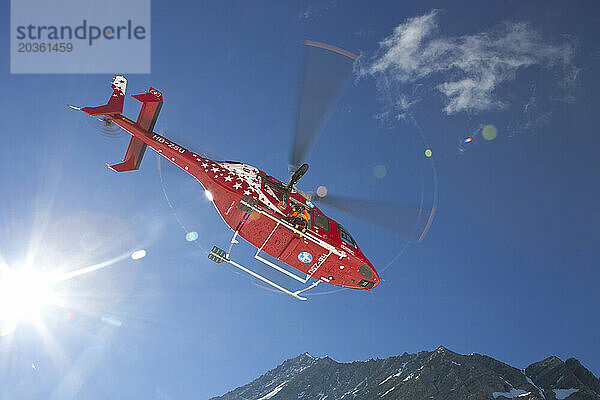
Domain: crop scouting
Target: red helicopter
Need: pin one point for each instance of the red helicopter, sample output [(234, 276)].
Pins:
[(255, 205)]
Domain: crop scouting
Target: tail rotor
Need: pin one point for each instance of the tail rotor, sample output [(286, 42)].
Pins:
[(105, 126)]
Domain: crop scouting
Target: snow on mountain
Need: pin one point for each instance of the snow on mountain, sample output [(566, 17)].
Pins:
[(439, 374)]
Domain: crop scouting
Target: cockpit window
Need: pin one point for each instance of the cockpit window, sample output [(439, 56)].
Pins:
[(275, 192), (365, 271), (320, 220), (346, 238)]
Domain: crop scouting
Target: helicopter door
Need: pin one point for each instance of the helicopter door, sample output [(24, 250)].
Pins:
[(320, 224), (293, 203)]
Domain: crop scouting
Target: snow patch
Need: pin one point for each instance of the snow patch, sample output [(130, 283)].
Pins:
[(400, 369), (355, 390), (408, 377), (388, 391), (386, 379), (562, 394), (273, 392), (512, 394), (534, 385)]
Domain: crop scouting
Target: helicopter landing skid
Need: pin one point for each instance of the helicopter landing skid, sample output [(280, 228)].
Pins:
[(219, 255)]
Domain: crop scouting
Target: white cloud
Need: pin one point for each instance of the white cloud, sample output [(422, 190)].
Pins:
[(465, 70), (316, 10)]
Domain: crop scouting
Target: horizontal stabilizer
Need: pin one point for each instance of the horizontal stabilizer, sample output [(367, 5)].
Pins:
[(150, 109), (152, 103), (133, 156), (115, 103), (151, 96)]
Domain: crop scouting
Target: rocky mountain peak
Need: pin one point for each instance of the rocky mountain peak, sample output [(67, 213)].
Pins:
[(438, 374)]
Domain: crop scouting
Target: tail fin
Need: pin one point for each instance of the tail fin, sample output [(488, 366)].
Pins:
[(152, 103), (115, 103)]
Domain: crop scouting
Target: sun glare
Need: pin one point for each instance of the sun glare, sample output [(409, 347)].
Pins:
[(23, 293)]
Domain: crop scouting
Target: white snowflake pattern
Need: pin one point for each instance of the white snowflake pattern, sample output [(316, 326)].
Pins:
[(248, 176)]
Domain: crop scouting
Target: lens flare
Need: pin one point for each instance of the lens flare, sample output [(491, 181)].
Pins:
[(321, 191), (136, 255), (379, 171), (489, 132), (191, 236), (107, 319), (254, 216)]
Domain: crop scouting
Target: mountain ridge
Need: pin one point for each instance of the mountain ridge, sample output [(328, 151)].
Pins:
[(438, 374)]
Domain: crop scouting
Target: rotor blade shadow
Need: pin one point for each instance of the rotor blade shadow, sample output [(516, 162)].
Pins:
[(326, 71), (410, 222)]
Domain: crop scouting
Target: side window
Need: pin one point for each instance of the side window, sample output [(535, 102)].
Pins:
[(320, 220), (274, 192), (345, 236)]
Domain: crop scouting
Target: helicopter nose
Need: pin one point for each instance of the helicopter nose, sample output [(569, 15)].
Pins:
[(375, 280), (371, 278)]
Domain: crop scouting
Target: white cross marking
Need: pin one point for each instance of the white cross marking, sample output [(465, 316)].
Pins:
[(304, 257)]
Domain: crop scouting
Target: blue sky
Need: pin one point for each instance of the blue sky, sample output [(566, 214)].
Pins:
[(509, 268)]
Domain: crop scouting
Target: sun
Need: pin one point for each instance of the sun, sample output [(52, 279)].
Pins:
[(25, 291), (23, 294)]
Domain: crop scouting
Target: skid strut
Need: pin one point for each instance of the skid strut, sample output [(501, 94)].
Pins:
[(219, 256), (283, 270), (249, 205)]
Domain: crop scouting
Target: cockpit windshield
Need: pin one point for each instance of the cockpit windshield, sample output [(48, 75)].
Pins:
[(346, 238), (275, 191)]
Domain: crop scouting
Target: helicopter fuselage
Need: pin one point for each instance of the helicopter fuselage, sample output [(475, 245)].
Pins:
[(326, 251)]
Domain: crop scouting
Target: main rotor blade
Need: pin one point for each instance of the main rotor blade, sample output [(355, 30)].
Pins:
[(326, 71), (410, 222)]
